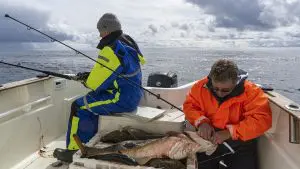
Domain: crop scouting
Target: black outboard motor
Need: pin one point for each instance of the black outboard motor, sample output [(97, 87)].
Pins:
[(163, 80)]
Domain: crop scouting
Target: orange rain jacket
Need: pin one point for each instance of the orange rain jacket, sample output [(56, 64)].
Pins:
[(246, 116)]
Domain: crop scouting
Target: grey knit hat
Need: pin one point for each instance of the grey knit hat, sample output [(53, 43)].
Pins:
[(108, 23)]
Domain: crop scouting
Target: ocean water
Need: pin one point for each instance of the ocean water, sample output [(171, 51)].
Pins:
[(275, 67)]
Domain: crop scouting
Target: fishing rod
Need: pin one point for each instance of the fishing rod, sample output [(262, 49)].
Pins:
[(231, 151), (42, 71), (53, 74), (78, 52)]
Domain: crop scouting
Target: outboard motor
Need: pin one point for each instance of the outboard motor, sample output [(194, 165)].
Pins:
[(163, 80)]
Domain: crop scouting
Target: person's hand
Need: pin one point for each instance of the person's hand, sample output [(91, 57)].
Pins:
[(221, 136), (84, 84), (206, 131), (82, 76)]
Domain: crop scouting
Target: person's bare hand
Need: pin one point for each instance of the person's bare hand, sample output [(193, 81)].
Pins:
[(220, 136), (206, 131)]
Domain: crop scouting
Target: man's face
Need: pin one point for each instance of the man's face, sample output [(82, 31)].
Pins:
[(223, 89), (103, 34)]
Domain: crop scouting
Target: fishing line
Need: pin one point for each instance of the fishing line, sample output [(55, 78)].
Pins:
[(78, 52)]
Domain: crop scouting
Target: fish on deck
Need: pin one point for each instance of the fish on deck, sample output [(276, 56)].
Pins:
[(128, 133), (174, 146)]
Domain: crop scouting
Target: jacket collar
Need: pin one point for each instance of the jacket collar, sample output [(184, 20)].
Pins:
[(237, 91), (109, 39)]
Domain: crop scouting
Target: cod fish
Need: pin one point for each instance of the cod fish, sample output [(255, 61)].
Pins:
[(128, 133), (175, 146)]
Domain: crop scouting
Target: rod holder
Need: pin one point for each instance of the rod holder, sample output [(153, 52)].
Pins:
[(294, 130)]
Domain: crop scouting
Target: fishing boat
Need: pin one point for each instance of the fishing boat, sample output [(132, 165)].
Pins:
[(34, 114)]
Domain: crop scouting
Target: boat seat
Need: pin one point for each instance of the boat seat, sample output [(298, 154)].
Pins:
[(148, 114)]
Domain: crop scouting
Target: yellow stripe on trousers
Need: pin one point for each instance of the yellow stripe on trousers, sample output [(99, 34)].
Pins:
[(99, 103), (74, 127), (103, 102)]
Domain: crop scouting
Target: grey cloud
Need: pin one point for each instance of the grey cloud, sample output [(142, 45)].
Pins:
[(202, 36), (293, 34), (175, 24), (11, 31), (182, 35), (153, 29), (274, 43), (162, 27), (184, 27), (247, 14), (211, 29), (280, 13)]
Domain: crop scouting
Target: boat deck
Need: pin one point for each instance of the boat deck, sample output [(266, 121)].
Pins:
[(43, 158), (153, 120)]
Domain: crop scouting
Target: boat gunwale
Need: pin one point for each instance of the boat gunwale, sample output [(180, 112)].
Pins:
[(24, 82)]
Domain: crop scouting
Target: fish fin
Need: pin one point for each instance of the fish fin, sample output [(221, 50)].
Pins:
[(191, 161), (93, 151), (126, 128), (116, 157), (197, 139), (172, 133), (143, 161)]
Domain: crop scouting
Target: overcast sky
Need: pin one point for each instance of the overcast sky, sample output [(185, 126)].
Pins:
[(182, 23)]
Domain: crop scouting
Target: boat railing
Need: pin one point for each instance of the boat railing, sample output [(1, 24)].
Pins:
[(293, 109)]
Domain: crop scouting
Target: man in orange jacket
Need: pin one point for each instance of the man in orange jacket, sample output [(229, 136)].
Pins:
[(226, 106)]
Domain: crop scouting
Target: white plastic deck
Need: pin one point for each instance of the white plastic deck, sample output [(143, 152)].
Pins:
[(42, 160)]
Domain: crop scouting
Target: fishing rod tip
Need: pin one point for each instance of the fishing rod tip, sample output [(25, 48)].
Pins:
[(6, 15)]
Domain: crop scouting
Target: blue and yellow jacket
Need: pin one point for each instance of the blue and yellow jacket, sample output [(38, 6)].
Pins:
[(121, 54)]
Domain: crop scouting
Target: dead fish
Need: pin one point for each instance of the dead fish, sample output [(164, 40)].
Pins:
[(128, 133), (93, 151), (176, 146)]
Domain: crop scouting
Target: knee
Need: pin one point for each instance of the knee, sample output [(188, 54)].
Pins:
[(74, 105)]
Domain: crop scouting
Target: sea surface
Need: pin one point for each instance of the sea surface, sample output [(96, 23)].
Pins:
[(275, 67)]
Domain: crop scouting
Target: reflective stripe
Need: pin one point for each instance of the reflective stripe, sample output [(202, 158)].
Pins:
[(86, 104), (116, 84), (141, 59), (103, 58), (230, 128), (131, 74), (74, 127), (103, 102), (201, 120)]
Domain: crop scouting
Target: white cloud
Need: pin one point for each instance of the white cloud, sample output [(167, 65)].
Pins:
[(183, 23)]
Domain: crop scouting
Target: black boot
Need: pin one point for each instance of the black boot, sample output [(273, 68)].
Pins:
[(64, 154)]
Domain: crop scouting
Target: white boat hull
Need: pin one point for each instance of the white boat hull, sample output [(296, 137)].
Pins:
[(34, 113)]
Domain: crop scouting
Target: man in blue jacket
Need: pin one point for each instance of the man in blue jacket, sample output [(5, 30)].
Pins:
[(110, 92)]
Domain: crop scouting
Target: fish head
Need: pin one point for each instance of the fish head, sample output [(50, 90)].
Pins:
[(206, 146)]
